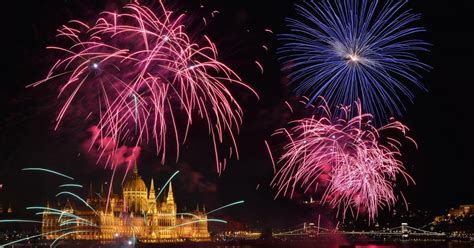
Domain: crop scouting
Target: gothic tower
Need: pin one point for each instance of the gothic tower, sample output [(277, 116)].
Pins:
[(152, 199)]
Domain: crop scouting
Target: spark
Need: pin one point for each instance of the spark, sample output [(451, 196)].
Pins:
[(64, 213), (77, 197), (259, 66), (70, 185), (188, 214), (47, 170), (268, 31), (289, 106), (226, 206), (166, 184), (198, 221), (354, 58), (271, 156), (22, 221), (77, 222)]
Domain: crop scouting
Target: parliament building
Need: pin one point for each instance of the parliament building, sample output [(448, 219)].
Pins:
[(135, 213)]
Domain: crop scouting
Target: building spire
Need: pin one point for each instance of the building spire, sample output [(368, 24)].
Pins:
[(135, 169), (152, 190), (170, 198), (10, 209)]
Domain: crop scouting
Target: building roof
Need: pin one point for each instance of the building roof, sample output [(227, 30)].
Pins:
[(134, 182)]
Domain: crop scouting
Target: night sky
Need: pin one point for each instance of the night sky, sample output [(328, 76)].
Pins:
[(440, 119)]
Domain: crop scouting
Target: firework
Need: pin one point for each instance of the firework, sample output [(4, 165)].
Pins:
[(226, 206), (346, 50), (166, 184), (70, 185), (48, 171), (67, 219), (196, 221), (146, 79), (354, 162), (71, 223)]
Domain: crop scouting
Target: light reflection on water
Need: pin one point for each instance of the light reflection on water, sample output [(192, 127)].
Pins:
[(452, 244)]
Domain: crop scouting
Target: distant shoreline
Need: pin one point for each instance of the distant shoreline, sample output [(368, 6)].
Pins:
[(262, 244)]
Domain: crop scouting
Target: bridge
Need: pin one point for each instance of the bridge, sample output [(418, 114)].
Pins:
[(311, 230)]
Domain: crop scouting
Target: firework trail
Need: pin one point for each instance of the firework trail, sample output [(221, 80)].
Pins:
[(226, 206), (67, 219), (196, 221), (149, 80), (346, 50), (71, 223), (354, 162), (70, 185), (48, 171), (167, 183), (20, 221)]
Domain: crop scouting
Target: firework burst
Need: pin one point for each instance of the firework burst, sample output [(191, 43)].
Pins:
[(346, 50), (354, 162), (147, 79)]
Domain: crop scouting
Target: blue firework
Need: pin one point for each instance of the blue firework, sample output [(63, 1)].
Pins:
[(345, 50)]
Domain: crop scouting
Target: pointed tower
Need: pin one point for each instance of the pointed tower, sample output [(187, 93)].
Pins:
[(170, 197), (169, 208), (68, 206), (152, 194), (169, 204), (152, 199), (10, 209), (135, 169)]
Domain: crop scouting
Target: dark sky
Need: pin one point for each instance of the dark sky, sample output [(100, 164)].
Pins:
[(440, 120)]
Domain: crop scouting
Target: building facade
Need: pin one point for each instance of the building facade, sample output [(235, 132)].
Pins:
[(463, 211), (136, 212)]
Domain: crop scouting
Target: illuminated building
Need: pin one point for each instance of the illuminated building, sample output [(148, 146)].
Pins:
[(461, 212), (9, 209), (135, 213)]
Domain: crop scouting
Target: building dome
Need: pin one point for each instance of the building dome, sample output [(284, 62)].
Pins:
[(135, 193), (134, 182)]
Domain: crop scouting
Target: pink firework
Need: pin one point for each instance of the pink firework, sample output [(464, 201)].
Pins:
[(354, 162), (148, 80)]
